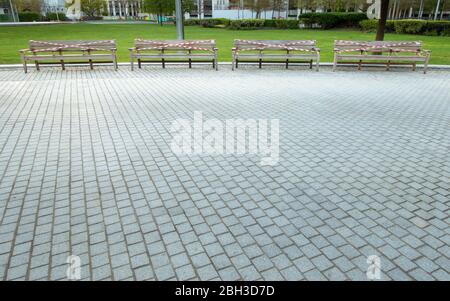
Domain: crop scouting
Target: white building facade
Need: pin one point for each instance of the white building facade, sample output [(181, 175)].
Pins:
[(236, 9), (124, 9)]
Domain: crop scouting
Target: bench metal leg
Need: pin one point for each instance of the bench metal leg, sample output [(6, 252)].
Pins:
[(115, 62), (163, 63), (414, 66), (139, 63), (237, 63), (216, 61), (260, 63), (91, 65), (335, 63), (36, 63), (388, 65), (24, 62), (132, 62), (310, 64), (359, 65), (190, 63), (317, 62), (287, 63), (62, 61)]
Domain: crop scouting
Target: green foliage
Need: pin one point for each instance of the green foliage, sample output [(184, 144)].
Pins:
[(192, 22), (92, 8), (287, 24), (418, 27), (54, 17), (29, 17), (159, 7), (409, 26), (332, 20), (372, 25), (217, 22), (5, 18), (208, 23), (246, 24)]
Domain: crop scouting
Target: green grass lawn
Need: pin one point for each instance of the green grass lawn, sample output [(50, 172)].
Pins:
[(14, 38)]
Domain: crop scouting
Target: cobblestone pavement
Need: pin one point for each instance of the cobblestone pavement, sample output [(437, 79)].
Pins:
[(86, 169)]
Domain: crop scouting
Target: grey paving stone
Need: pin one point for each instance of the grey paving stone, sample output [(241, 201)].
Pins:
[(185, 273), (97, 177)]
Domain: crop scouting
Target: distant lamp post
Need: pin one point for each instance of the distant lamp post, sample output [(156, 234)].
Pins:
[(13, 14), (437, 10), (179, 19)]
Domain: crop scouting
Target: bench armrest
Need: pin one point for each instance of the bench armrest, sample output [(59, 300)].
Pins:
[(132, 48), (317, 49), (24, 50)]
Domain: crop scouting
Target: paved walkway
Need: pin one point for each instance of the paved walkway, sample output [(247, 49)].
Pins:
[(86, 169)]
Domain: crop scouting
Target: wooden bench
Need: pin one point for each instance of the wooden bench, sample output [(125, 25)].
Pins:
[(276, 51), (374, 52), (165, 51), (46, 52)]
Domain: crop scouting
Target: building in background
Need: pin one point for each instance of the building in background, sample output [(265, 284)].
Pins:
[(240, 9), (53, 6), (124, 9)]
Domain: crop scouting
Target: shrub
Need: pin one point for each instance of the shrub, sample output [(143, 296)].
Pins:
[(409, 26), (5, 18), (270, 23), (91, 18), (29, 17), (332, 20), (287, 24), (372, 25), (55, 17), (439, 28), (191, 22), (419, 27), (216, 22), (246, 24)]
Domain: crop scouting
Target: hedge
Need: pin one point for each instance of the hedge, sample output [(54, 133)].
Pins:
[(56, 17), (332, 20), (246, 24), (418, 27), (192, 22), (215, 22), (372, 25), (6, 18), (287, 24), (210, 23), (29, 17)]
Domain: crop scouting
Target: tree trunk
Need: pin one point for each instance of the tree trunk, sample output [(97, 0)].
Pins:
[(382, 22)]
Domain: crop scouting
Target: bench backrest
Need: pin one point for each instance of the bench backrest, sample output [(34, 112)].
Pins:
[(206, 45), (72, 45), (275, 44), (378, 46)]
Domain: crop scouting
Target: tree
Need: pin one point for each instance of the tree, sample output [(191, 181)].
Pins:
[(34, 6), (92, 8), (382, 21), (159, 8)]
